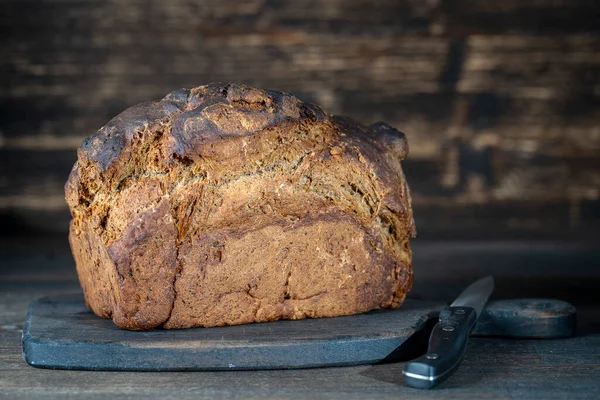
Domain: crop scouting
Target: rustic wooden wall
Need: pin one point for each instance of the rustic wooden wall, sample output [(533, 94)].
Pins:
[(500, 100)]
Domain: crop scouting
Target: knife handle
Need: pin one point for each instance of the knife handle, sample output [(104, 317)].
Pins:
[(447, 345)]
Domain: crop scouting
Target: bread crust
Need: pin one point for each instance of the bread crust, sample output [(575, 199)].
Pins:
[(227, 204)]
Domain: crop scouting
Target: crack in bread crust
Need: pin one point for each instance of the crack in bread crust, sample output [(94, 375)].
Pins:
[(226, 204)]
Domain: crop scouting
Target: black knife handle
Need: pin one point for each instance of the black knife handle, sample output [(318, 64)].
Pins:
[(447, 346)]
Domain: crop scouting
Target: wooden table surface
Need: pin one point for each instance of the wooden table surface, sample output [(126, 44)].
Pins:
[(493, 368)]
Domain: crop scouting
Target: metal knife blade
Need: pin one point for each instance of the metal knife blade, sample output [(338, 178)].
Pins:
[(448, 340), (475, 295)]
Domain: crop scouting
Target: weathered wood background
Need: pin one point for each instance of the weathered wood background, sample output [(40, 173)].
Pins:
[(500, 100)]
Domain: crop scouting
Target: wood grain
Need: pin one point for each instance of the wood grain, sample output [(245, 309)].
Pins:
[(499, 100), (493, 368)]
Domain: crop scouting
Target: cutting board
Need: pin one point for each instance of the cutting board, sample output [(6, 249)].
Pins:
[(60, 332)]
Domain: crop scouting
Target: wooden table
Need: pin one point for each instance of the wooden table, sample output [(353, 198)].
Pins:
[(493, 368)]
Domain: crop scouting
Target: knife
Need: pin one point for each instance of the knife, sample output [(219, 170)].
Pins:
[(448, 340)]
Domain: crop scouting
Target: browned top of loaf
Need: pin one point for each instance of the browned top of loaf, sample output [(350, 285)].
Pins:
[(202, 118), (222, 130)]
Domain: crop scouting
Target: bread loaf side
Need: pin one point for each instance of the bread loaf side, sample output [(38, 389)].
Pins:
[(227, 204)]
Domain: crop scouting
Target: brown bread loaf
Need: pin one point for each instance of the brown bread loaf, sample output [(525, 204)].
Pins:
[(227, 204)]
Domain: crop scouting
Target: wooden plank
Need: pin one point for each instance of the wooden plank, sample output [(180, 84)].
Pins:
[(30, 221), (346, 62), (31, 191), (463, 17), (439, 217), (521, 268), (37, 173), (457, 17), (532, 66), (223, 17), (493, 368)]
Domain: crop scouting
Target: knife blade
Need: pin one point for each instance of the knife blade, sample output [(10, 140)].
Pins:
[(448, 340)]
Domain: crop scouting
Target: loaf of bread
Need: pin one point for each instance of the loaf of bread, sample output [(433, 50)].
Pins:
[(226, 204)]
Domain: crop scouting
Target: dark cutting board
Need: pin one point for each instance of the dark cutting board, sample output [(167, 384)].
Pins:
[(60, 332)]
